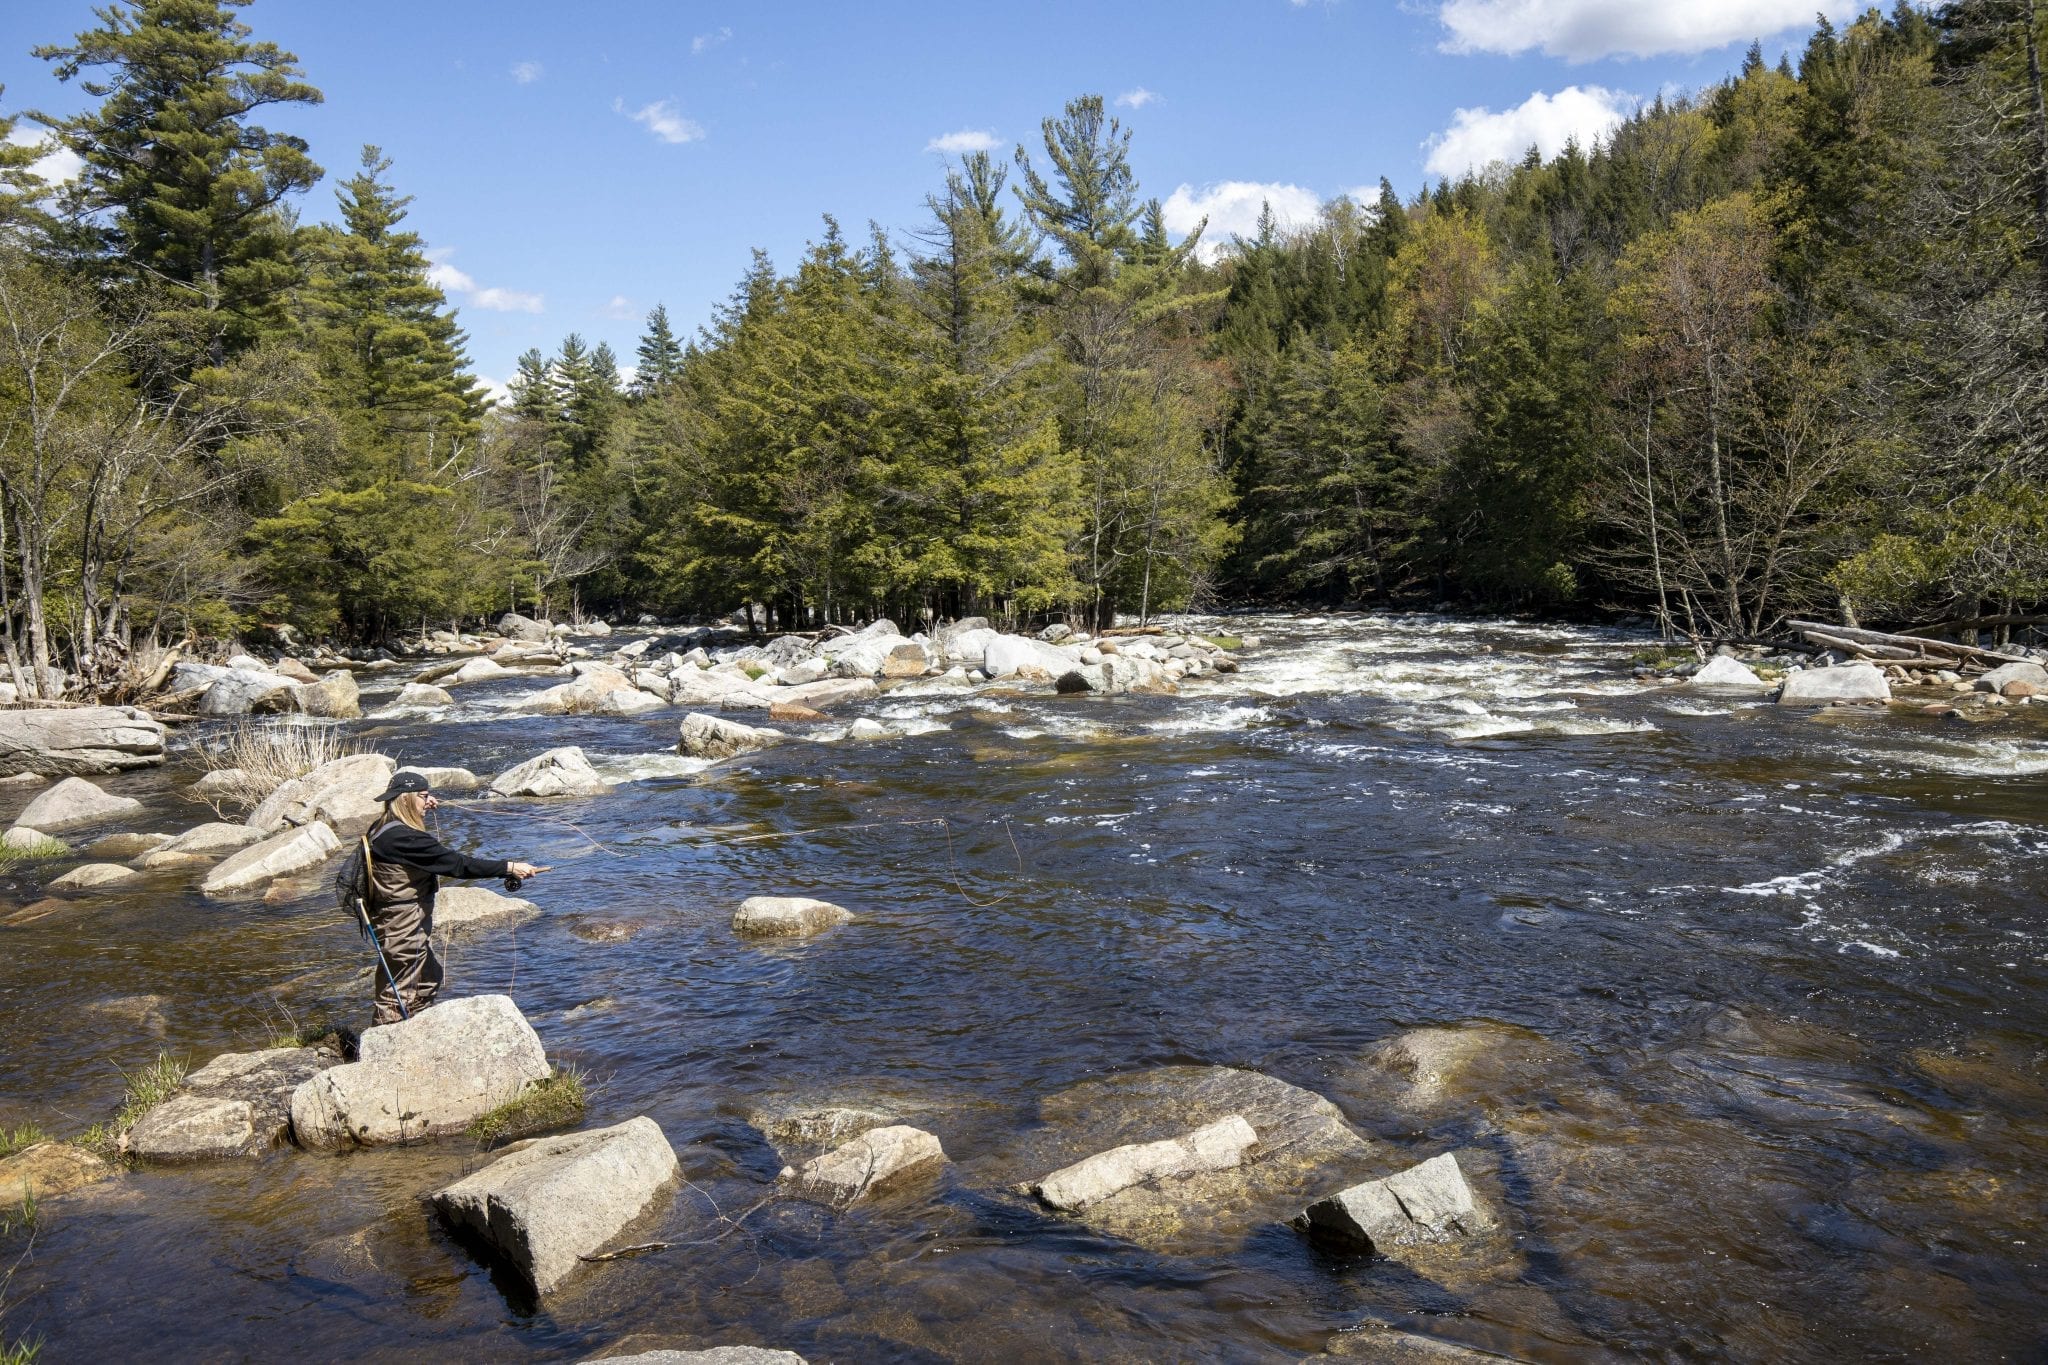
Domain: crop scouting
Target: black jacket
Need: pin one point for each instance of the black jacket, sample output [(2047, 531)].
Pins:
[(408, 864)]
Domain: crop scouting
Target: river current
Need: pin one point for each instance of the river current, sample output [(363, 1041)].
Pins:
[(1767, 990)]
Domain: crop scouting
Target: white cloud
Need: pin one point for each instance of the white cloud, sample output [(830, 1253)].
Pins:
[(1137, 99), (494, 390), (966, 140), (1233, 207), (526, 73), (450, 280), (1479, 137), (1586, 30), (663, 120), (57, 164), (621, 309), (704, 42)]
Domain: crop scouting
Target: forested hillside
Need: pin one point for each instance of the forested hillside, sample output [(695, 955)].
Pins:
[(1781, 346)]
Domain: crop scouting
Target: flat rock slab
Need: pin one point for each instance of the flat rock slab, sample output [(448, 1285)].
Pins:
[(47, 1170), (786, 917), (342, 792), (546, 1203), (558, 772), (427, 1076), (1304, 1144), (872, 1162), (90, 875), (1845, 683), (1218, 1147), (280, 855), (1426, 1203), (238, 1104), (458, 909), (72, 804), (79, 739)]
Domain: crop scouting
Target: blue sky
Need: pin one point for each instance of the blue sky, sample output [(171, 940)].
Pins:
[(574, 164)]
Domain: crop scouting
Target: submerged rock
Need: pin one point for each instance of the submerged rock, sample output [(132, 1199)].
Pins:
[(713, 737), (295, 850), (72, 804), (1426, 1203), (1217, 1147), (1844, 682), (713, 1355), (87, 740), (47, 1170), (1426, 1070), (546, 1203), (125, 846), (1303, 1143), (426, 1076), (558, 772), (1385, 1345), (786, 916), (872, 1162), (805, 1132), (90, 875)]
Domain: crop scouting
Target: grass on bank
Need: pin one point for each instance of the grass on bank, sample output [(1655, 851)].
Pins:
[(32, 851), (268, 754), (20, 1138), (147, 1088), (22, 1352), (555, 1102), (23, 1217)]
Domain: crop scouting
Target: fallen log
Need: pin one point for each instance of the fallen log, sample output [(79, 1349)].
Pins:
[(1920, 644)]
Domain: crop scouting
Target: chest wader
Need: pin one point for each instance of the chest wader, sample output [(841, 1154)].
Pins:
[(399, 915)]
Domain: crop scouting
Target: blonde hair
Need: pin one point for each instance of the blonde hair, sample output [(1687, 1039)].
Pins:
[(409, 808)]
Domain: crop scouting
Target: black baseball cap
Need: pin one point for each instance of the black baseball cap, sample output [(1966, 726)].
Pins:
[(403, 782)]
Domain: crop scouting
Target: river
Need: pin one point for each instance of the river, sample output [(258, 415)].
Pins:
[(1768, 995)]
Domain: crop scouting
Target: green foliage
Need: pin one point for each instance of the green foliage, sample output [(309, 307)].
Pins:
[(147, 1088), (366, 561), (555, 1102), (1986, 549), (38, 849)]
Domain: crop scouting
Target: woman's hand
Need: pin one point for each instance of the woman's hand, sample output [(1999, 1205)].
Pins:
[(524, 870)]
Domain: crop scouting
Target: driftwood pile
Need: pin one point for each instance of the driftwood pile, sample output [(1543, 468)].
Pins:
[(1900, 654)]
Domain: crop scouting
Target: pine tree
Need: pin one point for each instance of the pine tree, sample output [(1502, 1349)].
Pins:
[(660, 356), (21, 190), (396, 352), (189, 189)]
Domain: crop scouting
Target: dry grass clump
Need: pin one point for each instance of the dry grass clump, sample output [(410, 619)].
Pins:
[(553, 1103), (255, 758)]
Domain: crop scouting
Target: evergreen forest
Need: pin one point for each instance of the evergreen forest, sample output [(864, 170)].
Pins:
[(1777, 347)]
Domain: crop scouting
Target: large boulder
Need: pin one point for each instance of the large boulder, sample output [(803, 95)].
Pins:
[(1013, 655), (786, 917), (1722, 671), (906, 660), (717, 687), (75, 803), (830, 692), (47, 1170), (513, 626), (1426, 1203), (202, 841), (1216, 1147), (2033, 674), (295, 850), (872, 1162), (342, 791), (547, 1203), (476, 670), (244, 691), (238, 1104), (84, 739), (558, 772), (426, 1076), (335, 696), (703, 736), (864, 655), (422, 695), (1843, 683), (446, 779), (461, 908)]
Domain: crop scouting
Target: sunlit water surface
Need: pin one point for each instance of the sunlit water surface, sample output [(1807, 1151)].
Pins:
[(1786, 972)]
